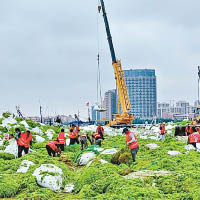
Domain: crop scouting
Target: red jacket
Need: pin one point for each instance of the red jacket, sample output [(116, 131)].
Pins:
[(24, 140), (73, 134), (100, 130), (162, 131), (52, 144), (134, 144), (192, 138), (61, 138), (96, 136), (197, 135)]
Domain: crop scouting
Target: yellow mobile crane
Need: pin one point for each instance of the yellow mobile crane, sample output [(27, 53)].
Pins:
[(125, 118)]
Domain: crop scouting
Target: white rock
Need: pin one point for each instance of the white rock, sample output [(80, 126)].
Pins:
[(174, 153), (50, 133), (53, 182), (86, 157), (109, 151), (103, 161), (152, 146), (69, 188), (7, 121), (24, 167), (39, 139), (12, 148)]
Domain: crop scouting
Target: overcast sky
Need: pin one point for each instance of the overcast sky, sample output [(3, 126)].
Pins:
[(48, 50)]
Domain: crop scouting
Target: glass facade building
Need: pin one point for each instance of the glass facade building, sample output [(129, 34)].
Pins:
[(142, 90)]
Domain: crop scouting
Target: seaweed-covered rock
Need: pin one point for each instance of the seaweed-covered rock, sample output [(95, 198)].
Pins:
[(86, 157), (121, 157), (24, 167)]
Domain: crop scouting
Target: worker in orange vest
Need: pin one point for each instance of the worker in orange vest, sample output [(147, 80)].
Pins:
[(62, 139), (83, 139), (162, 131), (73, 135), (24, 141), (131, 141), (190, 129), (193, 139), (100, 131), (96, 138), (187, 130), (53, 147)]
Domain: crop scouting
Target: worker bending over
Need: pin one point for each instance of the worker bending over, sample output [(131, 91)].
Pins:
[(97, 138), (83, 139), (73, 135), (24, 140), (131, 141), (162, 131), (62, 139), (53, 147)]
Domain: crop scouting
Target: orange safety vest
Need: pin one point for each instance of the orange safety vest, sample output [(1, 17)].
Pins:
[(197, 135), (190, 130), (73, 134), (134, 144), (96, 136), (52, 144), (192, 138), (99, 129), (162, 131), (24, 141), (186, 129), (61, 138)]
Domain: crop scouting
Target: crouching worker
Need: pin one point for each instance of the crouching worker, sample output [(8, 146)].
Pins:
[(53, 147), (96, 138), (83, 140), (193, 139), (131, 141), (24, 141)]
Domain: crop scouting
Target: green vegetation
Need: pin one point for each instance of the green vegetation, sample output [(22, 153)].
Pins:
[(105, 181)]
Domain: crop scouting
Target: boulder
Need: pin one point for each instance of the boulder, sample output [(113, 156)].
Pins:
[(24, 167), (49, 176)]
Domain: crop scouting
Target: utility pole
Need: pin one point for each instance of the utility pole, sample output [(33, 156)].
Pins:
[(198, 82)]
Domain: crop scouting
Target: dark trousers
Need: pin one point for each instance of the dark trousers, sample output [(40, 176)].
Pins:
[(84, 144), (21, 149), (50, 151), (194, 144), (73, 141), (62, 147), (98, 142), (134, 153)]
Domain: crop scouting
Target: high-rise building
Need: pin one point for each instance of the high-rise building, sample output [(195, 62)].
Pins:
[(110, 105), (142, 90), (95, 114)]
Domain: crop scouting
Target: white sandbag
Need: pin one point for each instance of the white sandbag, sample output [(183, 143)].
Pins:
[(86, 157), (37, 130), (39, 139), (103, 161), (67, 142), (25, 124), (69, 188), (24, 167), (12, 148), (174, 153), (7, 121), (109, 151), (50, 133), (53, 182), (152, 146)]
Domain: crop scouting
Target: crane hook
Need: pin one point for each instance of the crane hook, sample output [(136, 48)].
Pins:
[(99, 9)]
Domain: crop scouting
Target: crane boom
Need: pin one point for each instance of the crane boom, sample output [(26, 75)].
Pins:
[(123, 101)]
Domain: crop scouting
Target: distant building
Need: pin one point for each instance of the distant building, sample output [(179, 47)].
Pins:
[(142, 90), (95, 114), (110, 105)]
